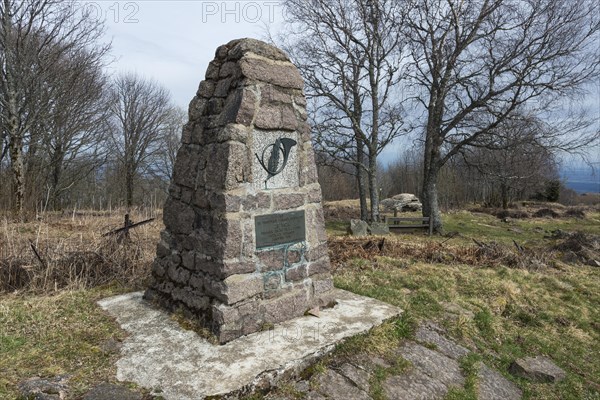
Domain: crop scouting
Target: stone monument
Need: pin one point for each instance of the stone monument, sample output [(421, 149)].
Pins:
[(244, 245)]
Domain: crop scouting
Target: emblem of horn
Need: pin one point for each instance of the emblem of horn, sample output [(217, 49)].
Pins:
[(275, 151)]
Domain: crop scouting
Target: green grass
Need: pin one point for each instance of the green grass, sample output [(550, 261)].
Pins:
[(54, 335)]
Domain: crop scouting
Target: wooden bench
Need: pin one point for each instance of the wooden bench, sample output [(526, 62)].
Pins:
[(408, 223)]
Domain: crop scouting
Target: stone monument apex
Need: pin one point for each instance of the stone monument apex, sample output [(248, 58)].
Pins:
[(244, 244)]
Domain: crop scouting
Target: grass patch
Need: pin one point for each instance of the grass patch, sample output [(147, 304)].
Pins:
[(469, 367), (56, 335), (380, 374)]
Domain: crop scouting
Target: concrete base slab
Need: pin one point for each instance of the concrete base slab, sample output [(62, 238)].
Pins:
[(159, 355)]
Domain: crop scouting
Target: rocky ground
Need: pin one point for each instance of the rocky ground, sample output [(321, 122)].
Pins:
[(428, 367)]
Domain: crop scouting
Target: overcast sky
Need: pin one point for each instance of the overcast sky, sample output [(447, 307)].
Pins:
[(173, 41)]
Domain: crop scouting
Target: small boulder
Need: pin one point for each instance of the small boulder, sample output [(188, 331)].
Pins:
[(493, 386), (379, 228), (44, 389), (358, 227), (538, 369), (402, 202)]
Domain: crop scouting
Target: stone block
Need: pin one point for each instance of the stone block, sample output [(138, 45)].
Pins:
[(271, 260), (293, 257), (235, 267), (273, 280), (258, 201), (316, 252), (271, 116), (214, 106), (223, 86), (188, 259), (277, 73), (358, 227), (241, 287), (197, 108), (206, 89), (241, 47), (295, 274), (239, 108), (178, 217), (319, 267), (185, 170), (230, 69), (287, 201), (288, 306), (273, 96), (212, 72), (178, 274), (233, 132), (322, 284), (158, 269), (223, 314)]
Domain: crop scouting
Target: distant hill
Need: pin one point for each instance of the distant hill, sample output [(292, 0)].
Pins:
[(581, 180)]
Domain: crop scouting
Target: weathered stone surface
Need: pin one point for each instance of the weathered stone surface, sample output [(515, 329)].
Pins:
[(108, 391), (272, 260), (240, 287), (44, 389), (538, 369), (335, 386), (276, 73), (436, 365), (241, 47), (493, 386), (276, 117), (414, 385), (287, 201), (358, 227), (178, 217), (298, 273), (379, 228), (402, 202), (359, 377), (430, 333)]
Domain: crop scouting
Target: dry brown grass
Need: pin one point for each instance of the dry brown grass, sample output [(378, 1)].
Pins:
[(72, 252), (480, 254)]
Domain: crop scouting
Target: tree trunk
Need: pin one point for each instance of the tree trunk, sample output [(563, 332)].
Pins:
[(429, 195), (129, 187), (362, 182), (18, 176), (373, 189), (56, 174), (504, 195)]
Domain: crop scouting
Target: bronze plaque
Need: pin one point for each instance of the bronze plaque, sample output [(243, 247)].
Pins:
[(276, 229)]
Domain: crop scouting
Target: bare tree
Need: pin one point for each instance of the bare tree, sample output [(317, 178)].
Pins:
[(350, 55), (514, 161), (34, 36), (475, 63), (141, 111), (74, 135), (162, 166)]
